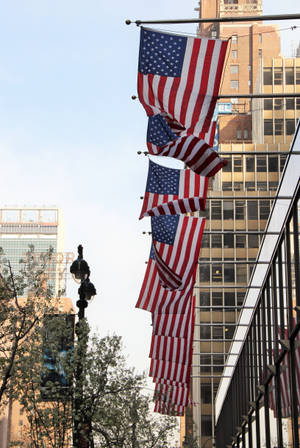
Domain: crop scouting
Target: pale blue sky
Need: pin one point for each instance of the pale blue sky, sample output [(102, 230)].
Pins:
[(69, 133)]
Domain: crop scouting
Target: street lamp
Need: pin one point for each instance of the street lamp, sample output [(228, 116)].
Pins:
[(81, 273)]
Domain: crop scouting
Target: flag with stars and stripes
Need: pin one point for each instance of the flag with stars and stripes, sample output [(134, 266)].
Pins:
[(164, 140), (170, 370), (168, 409), (180, 77), (170, 191), (155, 298), (172, 394), (175, 325), (176, 243), (170, 349)]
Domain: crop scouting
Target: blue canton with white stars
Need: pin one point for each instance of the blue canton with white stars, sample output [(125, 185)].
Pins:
[(164, 228), (152, 253), (162, 180), (161, 54), (159, 132)]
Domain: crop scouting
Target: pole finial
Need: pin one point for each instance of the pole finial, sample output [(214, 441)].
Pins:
[(128, 22), (80, 251)]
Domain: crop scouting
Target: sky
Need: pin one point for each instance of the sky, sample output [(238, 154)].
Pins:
[(70, 132)]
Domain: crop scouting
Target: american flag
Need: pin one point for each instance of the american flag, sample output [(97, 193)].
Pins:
[(175, 325), (170, 349), (172, 394), (171, 191), (176, 242), (195, 152), (156, 299), (170, 370), (169, 409), (180, 76)]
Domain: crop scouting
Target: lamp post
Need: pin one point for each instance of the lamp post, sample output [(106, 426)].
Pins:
[(81, 273)]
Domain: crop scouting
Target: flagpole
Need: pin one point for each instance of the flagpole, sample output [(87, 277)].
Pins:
[(216, 19)]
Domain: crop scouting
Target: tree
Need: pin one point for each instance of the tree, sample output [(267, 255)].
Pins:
[(33, 368), (118, 412), (20, 315), (115, 412)]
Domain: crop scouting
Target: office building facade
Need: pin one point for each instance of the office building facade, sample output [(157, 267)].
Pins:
[(240, 198), (20, 229)]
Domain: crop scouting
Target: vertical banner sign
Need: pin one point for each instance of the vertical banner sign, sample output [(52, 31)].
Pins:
[(58, 343)]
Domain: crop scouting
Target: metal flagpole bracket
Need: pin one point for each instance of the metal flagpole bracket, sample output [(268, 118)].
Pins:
[(285, 343)]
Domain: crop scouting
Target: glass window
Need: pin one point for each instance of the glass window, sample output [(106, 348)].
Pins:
[(204, 271), (229, 331), (268, 127), (252, 207), (216, 210), (273, 186), (218, 363), (289, 75), (250, 164), (237, 186), (240, 296), (278, 126), (48, 216), (206, 420), (267, 76), (264, 209), (278, 103), (226, 186), (262, 186), (237, 164), (205, 241), (10, 215), (227, 168), (29, 216), (290, 103), (205, 300), (239, 209), (260, 38), (278, 75), (205, 332), (216, 241), (228, 210), (297, 103), (234, 37), (234, 69), (273, 164), (250, 186), (229, 297), (217, 332), (240, 241), (228, 240), (241, 273), (205, 363), (297, 75), (234, 84), (234, 54), (290, 126), (238, 134), (261, 164), (246, 134), (206, 397), (252, 241), (228, 272), (216, 272), (217, 298)]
